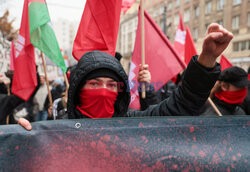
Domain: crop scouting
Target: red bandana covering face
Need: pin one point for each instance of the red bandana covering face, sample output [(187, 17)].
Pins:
[(97, 103), (232, 97)]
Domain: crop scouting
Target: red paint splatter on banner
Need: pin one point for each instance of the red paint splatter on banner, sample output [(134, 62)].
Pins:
[(230, 149), (175, 167), (191, 129), (228, 169), (93, 144), (17, 147), (194, 139), (1, 153), (232, 165), (141, 124), (239, 155), (202, 154), (1, 132), (234, 158), (248, 123), (106, 138)]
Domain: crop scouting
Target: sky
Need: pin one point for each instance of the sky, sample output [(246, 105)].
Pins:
[(59, 9)]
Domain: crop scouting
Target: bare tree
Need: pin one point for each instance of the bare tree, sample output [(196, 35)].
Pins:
[(7, 34)]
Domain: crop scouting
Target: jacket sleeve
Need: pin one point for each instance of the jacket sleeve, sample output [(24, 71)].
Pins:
[(150, 99), (187, 99)]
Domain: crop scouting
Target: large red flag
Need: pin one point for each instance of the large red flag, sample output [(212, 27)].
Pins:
[(180, 37), (126, 4), (225, 63), (190, 49), (12, 55), (24, 79), (163, 60), (99, 26)]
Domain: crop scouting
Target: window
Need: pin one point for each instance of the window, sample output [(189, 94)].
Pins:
[(177, 3), (220, 4), (186, 16), (236, 22), (195, 33), (237, 2), (187, 0), (196, 11), (248, 44), (220, 22), (236, 46), (243, 45), (208, 9), (169, 6)]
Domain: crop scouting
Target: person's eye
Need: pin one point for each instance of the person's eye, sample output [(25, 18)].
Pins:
[(93, 84), (111, 85)]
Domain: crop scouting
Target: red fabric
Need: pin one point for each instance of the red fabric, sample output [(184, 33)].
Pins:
[(190, 49), (225, 63), (12, 55), (248, 77), (164, 62), (97, 103), (180, 38), (126, 4), (24, 79), (98, 29), (232, 97)]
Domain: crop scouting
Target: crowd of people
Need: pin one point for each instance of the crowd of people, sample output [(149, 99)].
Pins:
[(98, 88)]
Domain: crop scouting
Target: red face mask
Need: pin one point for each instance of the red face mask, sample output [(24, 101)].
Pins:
[(97, 103), (232, 97)]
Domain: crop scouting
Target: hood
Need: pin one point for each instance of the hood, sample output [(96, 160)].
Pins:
[(89, 62)]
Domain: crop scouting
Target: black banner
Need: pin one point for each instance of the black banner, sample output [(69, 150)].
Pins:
[(128, 144)]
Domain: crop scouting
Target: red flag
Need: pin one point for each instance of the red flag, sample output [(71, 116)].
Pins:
[(98, 29), (12, 55), (163, 60), (180, 37), (225, 63), (126, 4), (190, 49), (24, 79)]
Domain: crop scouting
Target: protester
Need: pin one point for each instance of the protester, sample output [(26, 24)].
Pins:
[(99, 85), (229, 92), (40, 97), (246, 104)]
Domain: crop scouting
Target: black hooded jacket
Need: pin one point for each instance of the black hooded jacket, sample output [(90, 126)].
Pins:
[(185, 100)]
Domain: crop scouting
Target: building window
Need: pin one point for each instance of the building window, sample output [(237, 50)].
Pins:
[(243, 45), (187, 0), (186, 16), (208, 9), (169, 6), (236, 46), (248, 44), (196, 11), (237, 2), (220, 4), (220, 22), (177, 3), (236, 22), (195, 33), (248, 16)]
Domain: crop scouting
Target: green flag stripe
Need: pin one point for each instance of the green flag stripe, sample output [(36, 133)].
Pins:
[(42, 34)]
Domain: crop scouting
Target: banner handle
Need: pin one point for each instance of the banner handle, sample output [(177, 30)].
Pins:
[(214, 107), (143, 85), (47, 81)]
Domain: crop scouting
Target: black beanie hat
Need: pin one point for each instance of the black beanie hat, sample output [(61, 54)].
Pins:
[(102, 72), (235, 76)]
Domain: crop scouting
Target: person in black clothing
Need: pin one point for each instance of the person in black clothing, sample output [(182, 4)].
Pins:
[(246, 104), (99, 87), (229, 92)]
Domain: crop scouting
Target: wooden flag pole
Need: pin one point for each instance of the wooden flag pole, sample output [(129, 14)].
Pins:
[(214, 107), (143, 86), (47, 81)]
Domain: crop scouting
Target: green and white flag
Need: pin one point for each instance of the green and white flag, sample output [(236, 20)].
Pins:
[(42, 35)]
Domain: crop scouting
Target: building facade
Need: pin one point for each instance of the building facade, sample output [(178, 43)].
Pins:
[(234, 15)]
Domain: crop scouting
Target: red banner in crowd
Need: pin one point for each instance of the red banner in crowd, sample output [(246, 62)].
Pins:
[(126, 4), (12, 55), (99, 27), (225, 63), (160, 55), (190, 49), (179, 41), (24, 79)]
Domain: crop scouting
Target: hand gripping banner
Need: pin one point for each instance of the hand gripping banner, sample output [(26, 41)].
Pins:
[(128, 144)]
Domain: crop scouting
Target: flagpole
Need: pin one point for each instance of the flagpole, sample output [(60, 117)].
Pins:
[(67, 86), (143, 86), (214, 107), (47, 81)]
